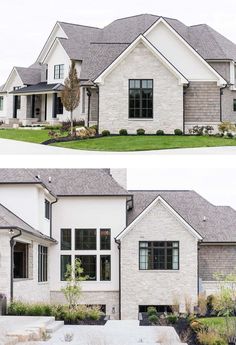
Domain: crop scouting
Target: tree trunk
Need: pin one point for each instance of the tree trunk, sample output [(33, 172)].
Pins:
[(71, 122)]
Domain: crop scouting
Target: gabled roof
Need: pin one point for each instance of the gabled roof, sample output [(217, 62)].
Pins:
[(39, 88), (9, 220), (29, 76), (67, 182), (220, 221)]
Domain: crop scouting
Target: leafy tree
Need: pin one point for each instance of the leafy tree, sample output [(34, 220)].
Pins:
[(70, 96), (74, 275)]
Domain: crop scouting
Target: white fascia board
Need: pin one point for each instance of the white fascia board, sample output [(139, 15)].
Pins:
[(129, 49), (147, 209), (50, 51), (220, 81), (14, 70), (49, 42)]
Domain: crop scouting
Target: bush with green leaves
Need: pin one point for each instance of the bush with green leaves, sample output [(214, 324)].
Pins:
[(211, 338), (178, 131), (153, 319), (106, 133), (151, 311), (160, 132), (123, 132), (140, 131), (226, 126), (172, 318)]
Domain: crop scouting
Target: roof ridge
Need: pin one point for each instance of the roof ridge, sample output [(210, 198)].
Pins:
[(87, 26), (161, 190), (109, 42), (213, 37)]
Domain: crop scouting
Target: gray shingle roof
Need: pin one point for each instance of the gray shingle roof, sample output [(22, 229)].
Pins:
[(220, 224), (29, 76), (67, 181), (41, 87), (10, 220)]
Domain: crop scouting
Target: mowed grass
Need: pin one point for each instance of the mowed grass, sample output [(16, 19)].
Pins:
[(145, 143), (216, 323), (29, 135)]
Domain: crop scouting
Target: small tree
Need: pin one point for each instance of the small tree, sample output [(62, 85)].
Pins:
[(70, 96), (74, 275)]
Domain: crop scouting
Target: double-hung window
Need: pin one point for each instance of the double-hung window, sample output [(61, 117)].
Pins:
[(140, 98), (42, 264), (158, 255), (58, 71), (1, 103)]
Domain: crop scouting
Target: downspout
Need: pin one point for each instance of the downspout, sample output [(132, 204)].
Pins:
[(98, 108), (119, 248), (12, 245), (198, 268), (89, 101), (51, 216)]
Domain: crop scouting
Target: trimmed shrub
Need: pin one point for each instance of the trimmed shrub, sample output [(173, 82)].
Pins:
[(178, 131), (106, 133), (172, 318), (230, 135), (94, 313), (95, 127), (151, 311), (197, 326), (140, 131), (153, 319), (123, 132), (160, 132), (226, 126)]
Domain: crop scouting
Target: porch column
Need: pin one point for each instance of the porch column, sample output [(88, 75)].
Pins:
[(54, 106), (32, 106)]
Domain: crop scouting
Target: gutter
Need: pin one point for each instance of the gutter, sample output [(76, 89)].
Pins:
[(28, 232), (56, 200), (119, 248), (12, 245)]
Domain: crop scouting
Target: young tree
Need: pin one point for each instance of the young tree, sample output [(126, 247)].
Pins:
[(74, 275), (70, 96)]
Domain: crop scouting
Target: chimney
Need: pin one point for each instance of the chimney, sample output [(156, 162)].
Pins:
[(120, 175)]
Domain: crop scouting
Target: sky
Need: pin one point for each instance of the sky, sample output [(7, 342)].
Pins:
[(25, 24)]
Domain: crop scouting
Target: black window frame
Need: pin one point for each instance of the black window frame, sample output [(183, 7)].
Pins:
[(42, 264), (234, 104), (141, 88), (166, 247), (59, 106), (106, 247), (59, 71), (69, 241), (63, 272), (1, 103), (86, 272), (47, 209), (101, 269), (85, 246)]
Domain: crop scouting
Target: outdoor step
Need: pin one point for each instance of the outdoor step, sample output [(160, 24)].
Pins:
[(122, 323), (53, 327)]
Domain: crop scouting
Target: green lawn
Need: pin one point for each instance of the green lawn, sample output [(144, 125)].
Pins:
[(216, 323), (143, 143), (30, 135)]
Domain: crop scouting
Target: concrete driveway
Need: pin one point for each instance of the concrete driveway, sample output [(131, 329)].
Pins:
[(8, 147)]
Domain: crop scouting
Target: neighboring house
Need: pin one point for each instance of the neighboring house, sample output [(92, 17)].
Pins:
[(139, 248), (143, 71)]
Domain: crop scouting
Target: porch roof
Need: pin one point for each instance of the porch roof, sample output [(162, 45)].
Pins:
[(40, 88)]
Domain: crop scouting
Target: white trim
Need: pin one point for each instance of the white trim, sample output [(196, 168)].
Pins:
[(221, 81), (49, 52), (129, 49), (147, 209), (14, 69), (47, 45)]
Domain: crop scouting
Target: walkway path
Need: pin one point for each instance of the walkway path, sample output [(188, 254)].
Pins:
[(20, 147)]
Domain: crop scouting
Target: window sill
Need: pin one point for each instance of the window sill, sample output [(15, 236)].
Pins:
[(21, 279), (42, 283), (160, 271), (140, 119)]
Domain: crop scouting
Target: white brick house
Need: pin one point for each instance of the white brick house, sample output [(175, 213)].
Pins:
[(143, 71), (139, 248)]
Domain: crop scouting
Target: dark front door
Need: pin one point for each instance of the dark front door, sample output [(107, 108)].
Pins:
[(15, 101)]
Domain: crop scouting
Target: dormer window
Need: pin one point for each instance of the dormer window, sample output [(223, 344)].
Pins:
[(59, 72)]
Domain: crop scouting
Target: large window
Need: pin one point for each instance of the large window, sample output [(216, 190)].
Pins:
[(59, 106), (58, 71), (234, 104), (161, 255), (140, 98), (105, 239), (21, 251), (42, 264), (105, 267), (1, 103), (47, 209), (85, 239), (65, 239), (89, 264), (65, 260)]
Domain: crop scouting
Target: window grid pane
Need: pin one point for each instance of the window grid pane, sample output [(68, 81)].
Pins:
[(65, 239), (140, 98), (42, 263), (105, 267), (89, 265), (160, 255), (85, 239), (65, 260), (105, 239)]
